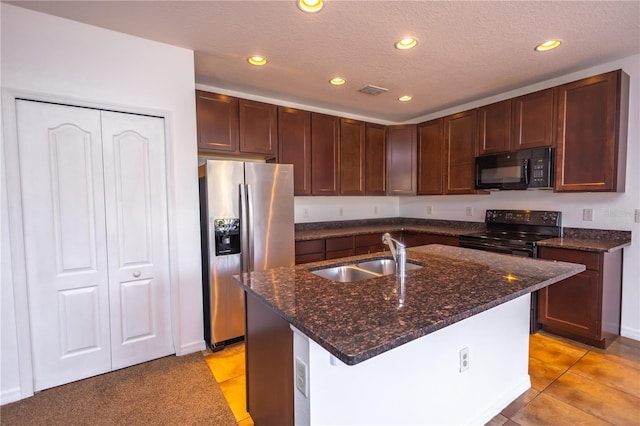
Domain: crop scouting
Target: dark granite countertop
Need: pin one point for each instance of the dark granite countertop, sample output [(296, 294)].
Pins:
[(596, 240), (359, 320)]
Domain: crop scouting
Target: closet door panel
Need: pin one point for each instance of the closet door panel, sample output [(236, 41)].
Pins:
[(65, 250), (136, 206)]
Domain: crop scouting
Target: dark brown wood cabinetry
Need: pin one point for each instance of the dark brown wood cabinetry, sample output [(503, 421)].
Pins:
[(294, 146), (258, 128), (375, 166), (494, 128), (591, 133), (431, 157), (585, 307), (309, 251), (352, 157), (369, 243), (533, 120), (402, 161), (460, 152), (269, 361), (339, 247), (217, 118), (325, 154)]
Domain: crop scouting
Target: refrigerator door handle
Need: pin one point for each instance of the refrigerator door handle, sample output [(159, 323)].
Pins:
[(244, 231), (249, 225)]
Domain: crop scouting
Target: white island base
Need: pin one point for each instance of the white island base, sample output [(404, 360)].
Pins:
[(420, 382)]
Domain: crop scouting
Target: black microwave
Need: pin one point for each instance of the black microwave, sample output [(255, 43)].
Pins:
[(524, 169)]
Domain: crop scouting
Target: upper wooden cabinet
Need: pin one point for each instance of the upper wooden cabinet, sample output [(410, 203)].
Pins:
[(402, 160), (230, 125), (494, 128), (258, 128), (533, 120), (375, 165), (352, 157), (431, 157), (294, 146), (460, 152), (325, 154), (217, 118), (591, 133)]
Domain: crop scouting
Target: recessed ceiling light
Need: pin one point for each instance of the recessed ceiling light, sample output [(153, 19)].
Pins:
[(548, 45), (406, 43), (310, 6), (257, 60), (405, 98), (337, 81)]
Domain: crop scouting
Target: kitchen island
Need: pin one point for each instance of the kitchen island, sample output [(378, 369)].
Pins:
[(376, 352)]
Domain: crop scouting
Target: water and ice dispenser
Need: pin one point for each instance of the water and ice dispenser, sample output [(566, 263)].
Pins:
[(227, 236)]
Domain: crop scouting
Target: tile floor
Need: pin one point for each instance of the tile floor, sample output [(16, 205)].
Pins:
[(571, 384)]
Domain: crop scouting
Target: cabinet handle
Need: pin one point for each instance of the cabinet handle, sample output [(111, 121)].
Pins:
[(136, 274)]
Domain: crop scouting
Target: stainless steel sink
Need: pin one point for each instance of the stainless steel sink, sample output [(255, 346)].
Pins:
[(361, 271), (344, 274), (384, 266)]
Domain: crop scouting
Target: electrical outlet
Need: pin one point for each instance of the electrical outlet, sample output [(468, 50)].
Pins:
[(302, 379), (340, 211), (375, 209), (587, 215), (429, 210), (464, 359), (469, 211), (305, 213), (637, 216)]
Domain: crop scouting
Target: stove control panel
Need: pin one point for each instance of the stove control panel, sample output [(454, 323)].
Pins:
[(524, 217)]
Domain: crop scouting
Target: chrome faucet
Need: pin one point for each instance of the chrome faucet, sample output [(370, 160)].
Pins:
[(398, 251)]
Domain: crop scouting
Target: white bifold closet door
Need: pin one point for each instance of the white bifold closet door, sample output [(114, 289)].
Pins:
[(94, 209)]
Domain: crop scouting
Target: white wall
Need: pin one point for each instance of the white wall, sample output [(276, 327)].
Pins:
[(61, 58)]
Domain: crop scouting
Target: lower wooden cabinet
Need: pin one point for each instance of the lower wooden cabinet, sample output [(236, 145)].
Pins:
[(369, 243), (309, 251), (585, 307)]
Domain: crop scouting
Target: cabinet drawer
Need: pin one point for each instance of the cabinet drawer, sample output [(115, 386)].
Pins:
[(336, 254), (368, 240), (341, 243), (589, 259), (307, 258), (311, 246)]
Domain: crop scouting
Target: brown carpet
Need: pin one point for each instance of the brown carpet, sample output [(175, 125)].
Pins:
[(168, 391)]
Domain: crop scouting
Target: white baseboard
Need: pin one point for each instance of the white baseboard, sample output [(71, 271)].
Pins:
[(192, 347), (503, 400), (11, 395), (630, 333)]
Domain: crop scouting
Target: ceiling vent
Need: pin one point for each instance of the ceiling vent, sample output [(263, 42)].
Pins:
[(373, 90)]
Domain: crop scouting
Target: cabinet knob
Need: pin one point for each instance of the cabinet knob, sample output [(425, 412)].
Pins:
[(136, 274)]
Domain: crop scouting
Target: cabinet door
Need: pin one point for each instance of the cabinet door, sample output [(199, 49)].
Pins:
[(402, 160), (572, 304), (591, 133), (325, 154), (294, 146), (460, 150), (217, 122), (375, 167), (258, 128), (494, 128), (533, 119), (431, 158), (352, 156)]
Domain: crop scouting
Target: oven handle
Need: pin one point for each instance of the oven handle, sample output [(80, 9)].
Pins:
[(493, 248)]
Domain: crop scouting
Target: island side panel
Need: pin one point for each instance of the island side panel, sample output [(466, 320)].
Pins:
[(420, 382), (269, 365)]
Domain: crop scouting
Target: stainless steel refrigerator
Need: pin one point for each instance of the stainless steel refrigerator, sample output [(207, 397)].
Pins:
[(247, 223)]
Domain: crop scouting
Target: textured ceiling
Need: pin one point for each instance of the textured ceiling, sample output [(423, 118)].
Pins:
[(466, 50)]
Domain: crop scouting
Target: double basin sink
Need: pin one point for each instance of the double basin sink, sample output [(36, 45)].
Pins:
[(361, 270)]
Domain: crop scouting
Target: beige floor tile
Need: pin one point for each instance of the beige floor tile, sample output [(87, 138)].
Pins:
[(498, 420), (597, 399), (246, 422), (542, 374), (235, 394), (546, 410), (227, 363), (623, 351), (553, 351), (520, 402), (599, 368)]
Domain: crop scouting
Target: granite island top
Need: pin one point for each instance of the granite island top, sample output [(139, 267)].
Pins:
[(359, 320)]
